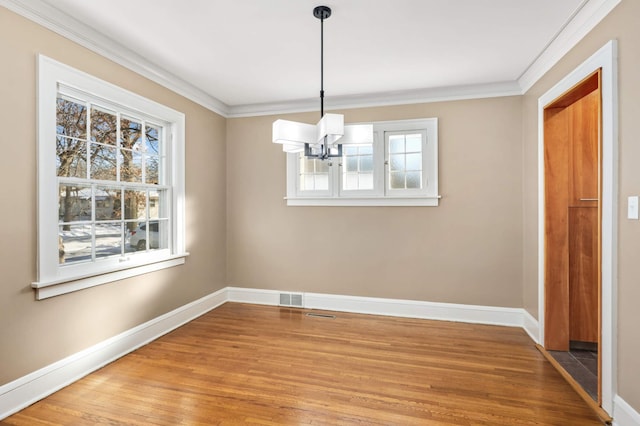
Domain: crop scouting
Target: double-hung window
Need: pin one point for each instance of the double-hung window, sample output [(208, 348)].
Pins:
[(400, 168), (110, 182)]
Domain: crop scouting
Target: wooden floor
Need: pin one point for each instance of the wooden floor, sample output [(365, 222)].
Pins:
[(261, 365)]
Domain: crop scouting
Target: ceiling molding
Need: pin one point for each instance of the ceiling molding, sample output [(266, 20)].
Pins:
[(589, 15), (585, 19), (76, 31), (405, 97)]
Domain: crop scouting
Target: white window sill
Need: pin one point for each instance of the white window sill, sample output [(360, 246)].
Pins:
[(51, 288), (364, 201)]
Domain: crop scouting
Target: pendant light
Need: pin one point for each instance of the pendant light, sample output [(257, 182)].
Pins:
[(324, 139)]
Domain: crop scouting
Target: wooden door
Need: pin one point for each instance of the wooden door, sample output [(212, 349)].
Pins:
[(572, 216), (583, 218)]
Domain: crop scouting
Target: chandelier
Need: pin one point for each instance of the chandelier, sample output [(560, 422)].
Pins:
[(324, 139)]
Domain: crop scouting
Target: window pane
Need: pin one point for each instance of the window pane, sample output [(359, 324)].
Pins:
[(351, 181), (308, 183), (108, 203), (414, 180), (151, 164), (159, 234), (152, 139), (135, 204), (352, 164), (108, 239), (366, 149), (104, 125), (397, 180), (322, 182), (396, 144), (414, 143), (397, 162), (71, 118), (103, 162), (366, 163), (156, 204), (366, 181), (74, 203), (76, 243), (322, 166), (414, 162), (306, 164), (71, 157), (131, 134), (130, 166)]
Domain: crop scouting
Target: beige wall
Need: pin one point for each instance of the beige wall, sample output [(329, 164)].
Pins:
[(621, 24), (478, 247), (468, 250), (36, 333)]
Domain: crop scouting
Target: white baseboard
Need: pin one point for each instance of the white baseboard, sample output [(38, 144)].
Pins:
[(253, 295), (513, 317), (16, 395), (624, 414), (531, 326)]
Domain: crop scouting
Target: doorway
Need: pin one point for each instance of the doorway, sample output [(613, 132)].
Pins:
[(572, 154), (605, 60)]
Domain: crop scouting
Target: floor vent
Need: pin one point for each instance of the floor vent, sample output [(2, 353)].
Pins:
[(291, 299), (316, 315)]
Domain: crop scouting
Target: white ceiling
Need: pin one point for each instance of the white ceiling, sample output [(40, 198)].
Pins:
[(251, 53)]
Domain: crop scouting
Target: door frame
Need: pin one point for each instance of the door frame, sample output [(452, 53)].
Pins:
[(606, 59)]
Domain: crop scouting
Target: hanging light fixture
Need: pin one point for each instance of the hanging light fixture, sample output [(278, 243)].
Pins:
[(324, 139)]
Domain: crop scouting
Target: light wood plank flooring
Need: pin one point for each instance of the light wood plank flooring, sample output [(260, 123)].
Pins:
[(264, 365)]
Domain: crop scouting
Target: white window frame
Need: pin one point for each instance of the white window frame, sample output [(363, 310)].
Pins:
[(54, 278), (380, 195)]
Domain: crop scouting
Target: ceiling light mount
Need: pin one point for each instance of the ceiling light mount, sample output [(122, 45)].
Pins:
[(325, 139), (322, 12)]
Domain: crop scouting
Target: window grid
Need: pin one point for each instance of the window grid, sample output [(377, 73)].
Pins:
[(108, 166), (357, 167), (405, 161), (314, 174)]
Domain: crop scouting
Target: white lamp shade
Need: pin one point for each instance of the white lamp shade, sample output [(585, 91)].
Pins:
[(286, 147), (293, 133), (331, 126), (357, 133)]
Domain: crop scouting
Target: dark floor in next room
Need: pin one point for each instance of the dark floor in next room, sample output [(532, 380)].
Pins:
[(582, 365)]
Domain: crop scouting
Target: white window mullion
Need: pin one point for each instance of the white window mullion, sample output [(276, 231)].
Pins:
[(334, 176), (143, 152)]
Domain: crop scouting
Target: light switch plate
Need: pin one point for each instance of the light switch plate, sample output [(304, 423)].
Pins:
[(632, 209)]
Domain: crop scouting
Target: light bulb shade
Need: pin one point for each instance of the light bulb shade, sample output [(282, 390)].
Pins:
[(293, 133), (357, 133), (330, 130), (330, 126), (286, 147)]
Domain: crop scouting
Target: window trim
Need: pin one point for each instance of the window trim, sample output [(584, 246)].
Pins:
[(380, 195), (52, 279)]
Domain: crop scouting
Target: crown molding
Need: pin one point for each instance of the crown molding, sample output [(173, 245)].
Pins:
[(57, 21), (584, 20), (404, 97)]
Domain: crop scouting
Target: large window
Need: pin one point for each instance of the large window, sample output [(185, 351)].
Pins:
[(111, 182), (399, 169)]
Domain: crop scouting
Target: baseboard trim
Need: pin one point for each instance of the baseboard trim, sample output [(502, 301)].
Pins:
[(624, 414), (512, 317), (22, 392), (531, 326)]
